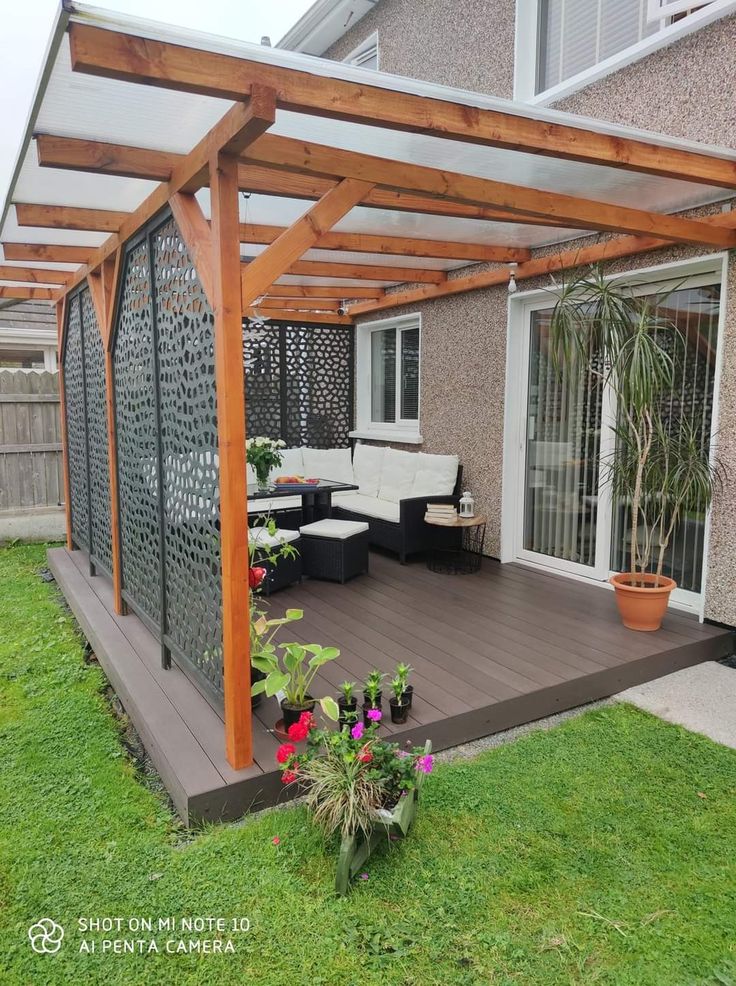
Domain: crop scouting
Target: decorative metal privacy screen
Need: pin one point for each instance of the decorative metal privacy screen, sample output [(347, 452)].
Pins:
[(299, 383), (86, 422), (168, 470)]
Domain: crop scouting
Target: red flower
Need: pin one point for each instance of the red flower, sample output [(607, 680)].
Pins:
[(285, 752), (308, 720), (365, 757), (256, 576), (288, 777), (298, 731)]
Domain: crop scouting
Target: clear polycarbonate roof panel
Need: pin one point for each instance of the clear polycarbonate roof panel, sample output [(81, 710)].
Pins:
[(77, 105)]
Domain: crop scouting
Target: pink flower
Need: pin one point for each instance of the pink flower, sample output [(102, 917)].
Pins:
[(363, 876), (285, 752), (425, 763), (375, 715), (276, 841), (288, 777), (357, 731)]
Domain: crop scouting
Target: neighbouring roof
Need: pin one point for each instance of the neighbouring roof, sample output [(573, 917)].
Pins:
[(323, 24), (76, 105)]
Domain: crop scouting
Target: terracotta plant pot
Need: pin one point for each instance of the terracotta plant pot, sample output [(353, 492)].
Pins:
[(292, 712), (642, 607)]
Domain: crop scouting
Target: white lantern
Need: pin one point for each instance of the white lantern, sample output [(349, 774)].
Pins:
[(467, 505)]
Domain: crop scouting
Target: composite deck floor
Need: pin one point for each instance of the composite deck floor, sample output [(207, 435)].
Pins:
[(492, 650)]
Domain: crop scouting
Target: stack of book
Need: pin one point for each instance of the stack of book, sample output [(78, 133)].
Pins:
[(440, 513)]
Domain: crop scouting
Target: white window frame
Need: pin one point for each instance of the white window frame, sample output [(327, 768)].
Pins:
[(512, 497), (527, 46), (31, 340), (366, 48), (401, 430)]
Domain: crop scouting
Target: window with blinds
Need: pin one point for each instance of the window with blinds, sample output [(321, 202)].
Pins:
[(393, 350), (575, 35)]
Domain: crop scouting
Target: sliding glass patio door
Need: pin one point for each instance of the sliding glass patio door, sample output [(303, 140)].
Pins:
[(565, 516)]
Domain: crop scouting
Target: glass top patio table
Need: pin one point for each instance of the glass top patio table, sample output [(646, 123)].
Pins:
[(316, 499)]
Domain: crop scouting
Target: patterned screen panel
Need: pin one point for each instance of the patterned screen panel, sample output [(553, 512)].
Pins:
[(137, 446), (188, 422), (76, 424), (299, 383), (96, 401)]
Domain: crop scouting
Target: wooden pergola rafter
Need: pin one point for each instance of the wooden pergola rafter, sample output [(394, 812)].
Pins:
[(239, 154)]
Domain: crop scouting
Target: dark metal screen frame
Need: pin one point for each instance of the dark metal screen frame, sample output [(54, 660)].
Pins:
[(283, 326)]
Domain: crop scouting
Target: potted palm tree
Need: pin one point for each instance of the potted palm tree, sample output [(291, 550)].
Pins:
[(660, 467)]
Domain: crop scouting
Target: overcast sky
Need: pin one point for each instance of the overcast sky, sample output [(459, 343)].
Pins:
[(27, 24)]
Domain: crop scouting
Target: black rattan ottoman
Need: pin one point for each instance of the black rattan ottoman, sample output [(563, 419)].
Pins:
[(334, 550), (284, 571)]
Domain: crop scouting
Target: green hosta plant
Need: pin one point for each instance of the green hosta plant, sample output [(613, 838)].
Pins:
[(291, 668)]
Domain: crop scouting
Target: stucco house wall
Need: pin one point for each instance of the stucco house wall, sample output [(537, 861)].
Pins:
[(685, 89)]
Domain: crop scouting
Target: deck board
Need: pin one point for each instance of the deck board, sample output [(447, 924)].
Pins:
[(493, 650)]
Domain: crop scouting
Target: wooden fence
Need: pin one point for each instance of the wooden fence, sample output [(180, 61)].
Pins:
[(31, 466)]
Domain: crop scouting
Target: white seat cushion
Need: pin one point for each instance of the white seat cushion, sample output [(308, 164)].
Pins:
[(371, 506), (271, 506), (339, 529), (262, 536), (367, 464), (397, 475), (292, 464), (328, 463), (435, 475)]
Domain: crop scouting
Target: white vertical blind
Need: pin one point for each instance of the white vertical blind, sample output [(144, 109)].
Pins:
[(383, 375)]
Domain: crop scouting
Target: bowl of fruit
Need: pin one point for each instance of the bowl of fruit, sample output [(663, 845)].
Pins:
[(295, 482)]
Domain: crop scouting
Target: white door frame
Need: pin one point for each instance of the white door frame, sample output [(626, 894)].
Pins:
[(695, 270)]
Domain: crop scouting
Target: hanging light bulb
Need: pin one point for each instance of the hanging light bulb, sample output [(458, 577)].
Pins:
[(512, 279)]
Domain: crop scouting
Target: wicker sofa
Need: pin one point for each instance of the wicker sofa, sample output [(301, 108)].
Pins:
[(394, 487)]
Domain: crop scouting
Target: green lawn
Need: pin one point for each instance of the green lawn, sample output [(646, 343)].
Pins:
[(599, 852)]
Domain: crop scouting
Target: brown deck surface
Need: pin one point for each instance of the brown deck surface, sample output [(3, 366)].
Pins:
[(490, 651)]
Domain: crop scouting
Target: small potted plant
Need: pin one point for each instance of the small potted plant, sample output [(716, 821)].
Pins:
[(372, 693), (403, 671), (398, 704), (264, 454), (292, 672), (347, 703)]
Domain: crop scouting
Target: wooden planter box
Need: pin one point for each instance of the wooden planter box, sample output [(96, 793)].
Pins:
[(356, 849)]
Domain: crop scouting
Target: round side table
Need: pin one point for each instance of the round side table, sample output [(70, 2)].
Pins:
[(461, 550)]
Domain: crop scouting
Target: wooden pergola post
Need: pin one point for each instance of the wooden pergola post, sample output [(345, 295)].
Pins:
[(230, 386)]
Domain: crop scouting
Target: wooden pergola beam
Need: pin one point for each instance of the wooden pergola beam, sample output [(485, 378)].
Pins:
[(613, 249), (300, 304), (367, 272), (316, 291), (295, 316), (47, 252), (393, 245), (279, 257), (75, 154), (197, 235), (69, 217), (115, 55), (302, 156), (16, 291), (34, 275), (242, 123)]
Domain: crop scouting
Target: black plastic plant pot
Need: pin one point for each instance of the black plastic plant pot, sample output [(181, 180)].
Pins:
[(367, 699), (292, 712), (399, 710), (408, 695), (367, 706), (256, 675), (348, 712)]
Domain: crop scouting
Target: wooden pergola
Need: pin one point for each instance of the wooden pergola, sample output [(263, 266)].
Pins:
[(351, 232)]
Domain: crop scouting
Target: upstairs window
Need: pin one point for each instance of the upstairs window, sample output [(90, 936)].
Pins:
[(561, 44)]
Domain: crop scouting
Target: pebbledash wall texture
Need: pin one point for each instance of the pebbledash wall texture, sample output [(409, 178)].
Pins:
[(685, 89)]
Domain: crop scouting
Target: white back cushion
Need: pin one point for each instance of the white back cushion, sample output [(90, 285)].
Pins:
[(367, 465), (435, 475), (328, 463), (397, 475), (292, 463)]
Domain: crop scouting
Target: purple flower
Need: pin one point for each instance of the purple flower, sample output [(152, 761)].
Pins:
[(425, 763), (357, 731), (375, 715), (363, 876), (402, 754)]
